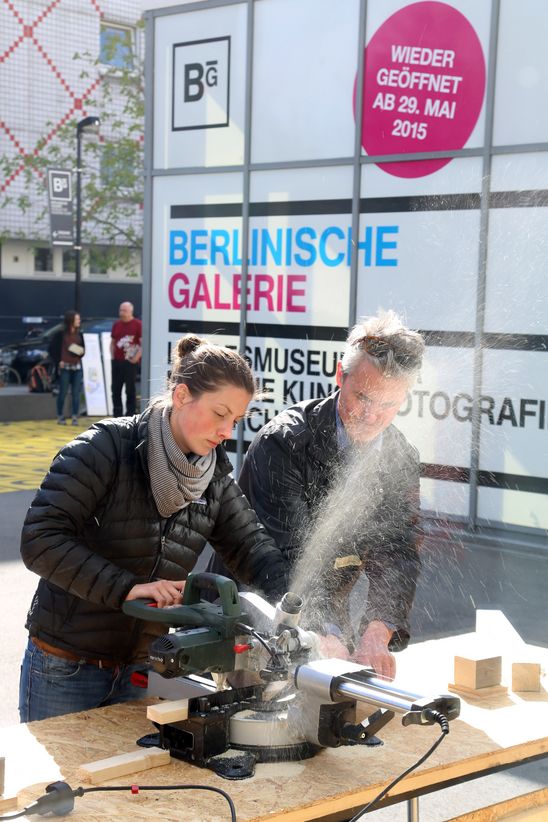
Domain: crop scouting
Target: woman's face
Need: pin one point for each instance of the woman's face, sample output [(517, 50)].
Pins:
[(76, 321), (199, 424)]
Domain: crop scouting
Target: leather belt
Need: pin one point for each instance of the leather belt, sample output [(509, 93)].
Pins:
[(62, 654)]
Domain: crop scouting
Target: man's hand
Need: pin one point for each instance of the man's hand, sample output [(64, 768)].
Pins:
[(372, 650), (331, 647), (164, 592)]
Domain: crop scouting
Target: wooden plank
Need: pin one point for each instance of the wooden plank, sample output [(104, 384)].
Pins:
[(478, 694), (530, 807), (8, 803), (123, 764), (173, 711)]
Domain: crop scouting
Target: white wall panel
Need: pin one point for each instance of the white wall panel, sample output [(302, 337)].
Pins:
[(312, 60)]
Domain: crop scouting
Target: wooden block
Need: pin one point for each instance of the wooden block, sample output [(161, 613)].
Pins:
[(173, 711), (124, 764), (526, 676), (478, 693), (477, 673)]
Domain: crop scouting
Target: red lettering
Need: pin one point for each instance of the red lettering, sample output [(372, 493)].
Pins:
[(293, 292), (264, 286), (217, 296), (236, 290), (279, 302), (201, 292), (264, 292), (179, 298)]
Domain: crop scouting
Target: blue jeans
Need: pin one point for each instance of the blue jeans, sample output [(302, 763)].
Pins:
[(73, 378), (51, 686)]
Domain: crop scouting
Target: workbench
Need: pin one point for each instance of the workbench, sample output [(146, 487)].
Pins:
[(491, 735)]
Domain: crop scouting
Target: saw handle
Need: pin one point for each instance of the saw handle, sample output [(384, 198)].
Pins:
[(192, 611), (173, 615), (224, 587)]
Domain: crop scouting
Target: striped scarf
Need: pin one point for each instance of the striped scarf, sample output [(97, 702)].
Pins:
[(176, 481)]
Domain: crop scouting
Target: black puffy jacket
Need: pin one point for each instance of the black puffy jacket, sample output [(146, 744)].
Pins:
[(93, 532), (287, 473)]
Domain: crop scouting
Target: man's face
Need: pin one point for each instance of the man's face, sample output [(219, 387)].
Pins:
[(125, 312), (368, 401)]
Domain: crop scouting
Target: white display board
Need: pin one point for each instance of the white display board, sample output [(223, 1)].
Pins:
[(94, 381)]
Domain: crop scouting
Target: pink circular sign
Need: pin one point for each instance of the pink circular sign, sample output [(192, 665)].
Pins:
[(424, 86)]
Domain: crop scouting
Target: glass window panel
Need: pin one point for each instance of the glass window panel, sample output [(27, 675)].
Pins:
[(303, 82), (69, 261), (517, 285), (521, 114), (420, 263), (519, 172), (199, 87), (196, 257), (43, 259), (116, 46)]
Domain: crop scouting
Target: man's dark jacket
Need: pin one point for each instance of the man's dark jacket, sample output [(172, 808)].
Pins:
[(287, 472), (93, 531)]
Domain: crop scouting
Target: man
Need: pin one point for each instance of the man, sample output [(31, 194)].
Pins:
[(337, 487), (125, 352)]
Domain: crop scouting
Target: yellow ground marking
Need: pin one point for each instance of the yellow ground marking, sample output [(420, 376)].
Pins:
[(28, 447)]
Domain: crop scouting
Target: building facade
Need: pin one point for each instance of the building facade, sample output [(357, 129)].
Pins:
[(60, 62)]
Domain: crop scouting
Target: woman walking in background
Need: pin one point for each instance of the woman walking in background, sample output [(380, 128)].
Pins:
[(66, 349)]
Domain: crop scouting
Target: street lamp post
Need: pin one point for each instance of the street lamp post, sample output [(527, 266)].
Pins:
[(89, 125)]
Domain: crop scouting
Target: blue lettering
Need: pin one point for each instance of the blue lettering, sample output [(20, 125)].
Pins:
[(365, 246), (177, 247), (383, 244), (338, 258), (252, 260), (289, 244), (197, 246), (236, 258), (307, 247), (219, 245), (267, 245)]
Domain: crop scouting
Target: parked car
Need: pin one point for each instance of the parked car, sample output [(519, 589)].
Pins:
[(34, 348)]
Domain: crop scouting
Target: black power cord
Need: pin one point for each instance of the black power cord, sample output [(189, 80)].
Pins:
[(59, 797), (434, 716)]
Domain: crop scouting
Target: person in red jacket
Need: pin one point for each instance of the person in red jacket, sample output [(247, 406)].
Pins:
[(125, 351)]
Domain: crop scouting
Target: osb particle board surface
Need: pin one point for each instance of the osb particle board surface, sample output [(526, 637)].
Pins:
[(503, 730), (42, 752)]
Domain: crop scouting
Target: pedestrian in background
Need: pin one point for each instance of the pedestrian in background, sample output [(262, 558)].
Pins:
[(125, 351), (66, 350)]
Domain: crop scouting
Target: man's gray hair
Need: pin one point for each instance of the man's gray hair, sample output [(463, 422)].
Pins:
[(387, 343)]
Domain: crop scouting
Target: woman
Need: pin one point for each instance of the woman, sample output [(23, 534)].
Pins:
[(66, 349), (123, 514)]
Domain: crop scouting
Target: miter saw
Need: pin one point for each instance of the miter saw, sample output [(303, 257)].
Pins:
[(271, 698)]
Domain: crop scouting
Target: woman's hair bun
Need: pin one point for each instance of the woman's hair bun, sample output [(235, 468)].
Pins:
[(187, 344)]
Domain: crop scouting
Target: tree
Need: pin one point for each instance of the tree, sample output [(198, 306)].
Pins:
[(112, 178)]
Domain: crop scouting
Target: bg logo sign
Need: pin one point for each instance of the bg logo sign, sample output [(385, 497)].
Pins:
[(201, 84), (59, 185)]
